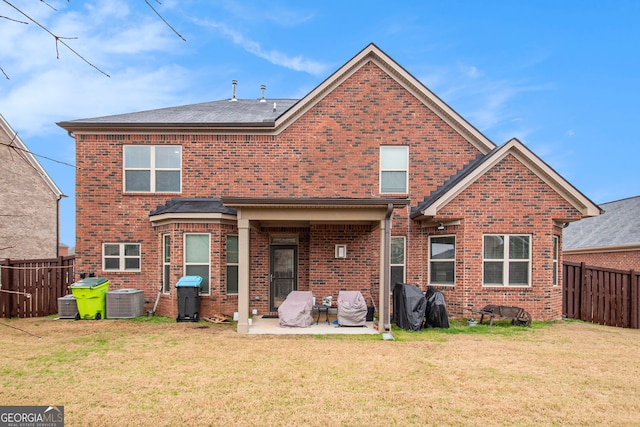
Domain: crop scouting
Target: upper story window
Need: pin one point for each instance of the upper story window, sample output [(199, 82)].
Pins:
[(442, 260), (152, 168), (507, 260), (394, 169), (121, 257)]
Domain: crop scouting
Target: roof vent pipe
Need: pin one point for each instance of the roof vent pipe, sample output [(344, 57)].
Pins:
[(262, 89), (233, 97)]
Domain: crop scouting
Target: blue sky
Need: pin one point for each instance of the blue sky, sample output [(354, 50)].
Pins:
[(561, 76)]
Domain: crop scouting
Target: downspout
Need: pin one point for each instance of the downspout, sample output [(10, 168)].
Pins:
[(386, 286)]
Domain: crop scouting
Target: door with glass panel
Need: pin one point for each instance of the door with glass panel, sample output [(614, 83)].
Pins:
[(283, 274)]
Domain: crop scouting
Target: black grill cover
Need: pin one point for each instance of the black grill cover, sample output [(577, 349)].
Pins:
[(409, 306), (436, 310)]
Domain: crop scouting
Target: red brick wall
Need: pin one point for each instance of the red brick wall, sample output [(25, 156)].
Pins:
[(330, 151), (508, 199), (620, 260)]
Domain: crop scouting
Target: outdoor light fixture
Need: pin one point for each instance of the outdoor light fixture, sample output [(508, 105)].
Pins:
[(441, 226), (341, 251)]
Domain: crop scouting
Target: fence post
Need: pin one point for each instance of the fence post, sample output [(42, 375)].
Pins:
[(7, 285)]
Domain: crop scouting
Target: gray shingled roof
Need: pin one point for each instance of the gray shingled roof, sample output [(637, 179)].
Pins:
[(241, 111), (193, 205), (618, 225), (452, 181)]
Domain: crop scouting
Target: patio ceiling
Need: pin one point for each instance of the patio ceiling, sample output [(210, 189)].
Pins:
[(303, 212)]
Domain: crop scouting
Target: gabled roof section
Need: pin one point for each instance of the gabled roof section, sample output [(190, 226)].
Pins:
[(472, 172), (10, 138), (617, 228), (405, 79), (260, 116)]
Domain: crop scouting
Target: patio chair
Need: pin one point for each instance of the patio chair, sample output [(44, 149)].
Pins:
[(295, 310), (352, 309)]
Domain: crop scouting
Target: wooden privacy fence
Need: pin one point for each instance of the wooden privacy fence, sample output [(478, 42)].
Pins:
[(31, 288), (600, 295)]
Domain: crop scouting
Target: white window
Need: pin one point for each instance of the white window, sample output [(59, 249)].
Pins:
[(397, 260), (394, 169), (197, 257), (166, 263), (121, 256), (555, 260), (152, 168), (506, 260), (442, 260), (232, 264)]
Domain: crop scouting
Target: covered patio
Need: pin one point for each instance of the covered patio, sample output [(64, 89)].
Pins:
[(265, 213)]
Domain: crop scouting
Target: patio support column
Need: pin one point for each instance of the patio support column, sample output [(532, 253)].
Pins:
[(385, 270), (243, 275)]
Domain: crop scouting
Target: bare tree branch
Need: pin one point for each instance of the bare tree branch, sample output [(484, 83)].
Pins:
[(10, 146), (14, 20), (164, 20), (57, 38), (60, 40), (42, 1)]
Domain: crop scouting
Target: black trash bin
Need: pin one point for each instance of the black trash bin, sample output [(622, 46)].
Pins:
[(188, 288)]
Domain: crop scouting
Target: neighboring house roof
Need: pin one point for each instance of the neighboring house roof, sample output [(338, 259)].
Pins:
[(617, 228), (474, 170), (11, 139), (260, 116)]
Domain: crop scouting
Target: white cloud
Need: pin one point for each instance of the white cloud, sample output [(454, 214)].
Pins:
[(44, 90), (492, 105), (296, 63)]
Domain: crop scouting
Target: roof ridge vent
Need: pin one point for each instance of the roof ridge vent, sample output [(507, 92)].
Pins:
[(262, 89), (233, 95)]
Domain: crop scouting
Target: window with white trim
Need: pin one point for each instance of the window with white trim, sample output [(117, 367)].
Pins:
[(556, 249), (197, 258), (442, 260), (152, 168), (506, 260), (397, 260), (121, 256), (166, 263), (232, 264), (394, 169)]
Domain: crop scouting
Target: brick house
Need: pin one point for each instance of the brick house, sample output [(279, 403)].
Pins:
[(30, 202), (610, 240), (368, 180)]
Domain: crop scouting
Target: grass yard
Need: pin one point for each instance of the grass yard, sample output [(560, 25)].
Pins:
[(163, 373)]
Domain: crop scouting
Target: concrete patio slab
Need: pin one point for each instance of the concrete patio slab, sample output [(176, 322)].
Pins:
[(262, 326)]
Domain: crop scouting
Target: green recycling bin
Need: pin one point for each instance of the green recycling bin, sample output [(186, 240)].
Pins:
[(91, 296)]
